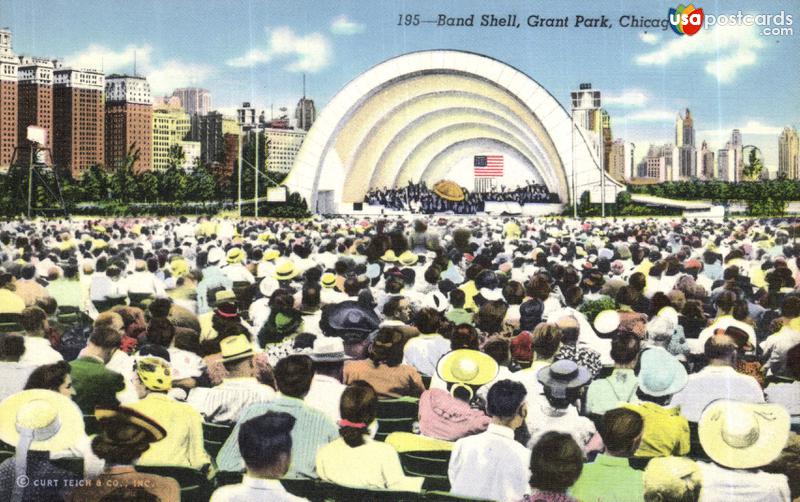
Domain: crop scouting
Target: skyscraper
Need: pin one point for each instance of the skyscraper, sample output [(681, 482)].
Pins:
[(305, 113), (128, 121), (35, 94), (707, 170), (738, 161), (9, 65), (194, 100), (725, 163), (283, 147), (684, 140), (170, 126), (78, 125), (789, 153), (620, 159)]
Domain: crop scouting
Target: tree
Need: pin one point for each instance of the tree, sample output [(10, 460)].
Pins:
[(171, 183), (147, 186), (95, 184), (754, 165), (123, 180), (200, 184)]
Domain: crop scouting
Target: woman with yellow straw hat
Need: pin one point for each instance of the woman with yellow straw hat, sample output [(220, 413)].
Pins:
[(37, 422)]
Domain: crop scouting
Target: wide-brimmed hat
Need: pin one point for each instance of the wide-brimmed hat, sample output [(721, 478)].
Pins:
[(491, 294), (134, 417), (408, 258), (467, 366), (224, 296), (328, 280), (606, 322), (661, 373), (389, 256), (562, 375), (235, 347), (285, 271), (271, 254), (215, 255), (54, 421), (235, 255), (348, 319), (743, 435), (328, 349)]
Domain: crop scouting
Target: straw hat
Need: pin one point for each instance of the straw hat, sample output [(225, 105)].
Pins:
[(285, 271), (134, 417), (467, 366), (234, 348), (55, 420), (271, 254), (389, 256), (235, 255), (328, 349), (328, 280), (562, 375), (408, 258), (743, 435), (606, 322), (215, 255)]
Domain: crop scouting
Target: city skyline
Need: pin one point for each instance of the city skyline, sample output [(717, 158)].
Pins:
[(257, 52)]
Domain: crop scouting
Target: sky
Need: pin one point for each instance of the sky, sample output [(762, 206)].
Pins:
[(257, 51)]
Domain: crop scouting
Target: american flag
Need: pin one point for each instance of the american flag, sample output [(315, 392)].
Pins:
[(488, 166)]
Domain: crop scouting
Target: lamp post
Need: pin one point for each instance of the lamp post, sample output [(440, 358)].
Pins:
[(239, 190)]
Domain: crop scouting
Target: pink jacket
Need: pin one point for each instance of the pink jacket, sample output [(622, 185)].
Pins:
[(442, 416)]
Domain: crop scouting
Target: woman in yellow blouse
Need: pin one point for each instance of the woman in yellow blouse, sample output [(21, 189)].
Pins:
[(355, 460)]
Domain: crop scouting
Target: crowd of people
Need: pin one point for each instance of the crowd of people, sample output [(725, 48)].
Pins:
[(418, 198), (546, 359)]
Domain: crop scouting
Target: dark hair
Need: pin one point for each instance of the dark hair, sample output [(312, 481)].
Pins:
[(693, 310), (32, 318), (573, 296), (310, 295), (514, 292), (556, 462), (498, 349), (432, 274), (49, 376), (12, 347), (505, 398), (793, 362), (637, 281), (489, 318), (619, 428), (720, 347), (388, 347), (293, 375), (120, 441), (160, 331), (105, 337), (427, 320), (392, 305), (265, 438), (464, 336), (725, 301), (359, 404), (626, 296), (625, 347), (539, 288), (48, 304), (457, 298), (791, 307)]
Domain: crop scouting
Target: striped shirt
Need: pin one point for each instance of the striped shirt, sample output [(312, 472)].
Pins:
[(312, 430), (223, 404)]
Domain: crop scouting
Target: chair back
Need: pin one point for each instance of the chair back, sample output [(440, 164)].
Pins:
[(345, 494), (696, 450), (431, 465), (194, 483), (214, 436), (396, 415), (9, 323), (138, 299)]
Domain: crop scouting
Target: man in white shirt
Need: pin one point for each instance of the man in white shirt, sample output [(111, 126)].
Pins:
[(424, 351), (223, 404), (235, 270), (491, 465), (718, 380), (143, 281), (326, 389)]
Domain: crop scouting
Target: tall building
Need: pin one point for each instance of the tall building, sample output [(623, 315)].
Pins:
[(725, 163), (789, 153), (246, 116), (283, 147), (305, 112), (620, 160), (128, 121), (660, 164), (194, 100), (170, 127), (9, 65), (78, 120), (210, 130), (684, 140), (35, 100), (738, 160), (707, 166), (606, 137)]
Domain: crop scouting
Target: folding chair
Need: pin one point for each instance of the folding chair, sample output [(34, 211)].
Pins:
[(396, 415), (431, 465), (214, 436), (9, 323)]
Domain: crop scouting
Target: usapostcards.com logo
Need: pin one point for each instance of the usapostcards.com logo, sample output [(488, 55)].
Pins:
[(686, 19)]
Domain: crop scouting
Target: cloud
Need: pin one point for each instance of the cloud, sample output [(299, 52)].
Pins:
[(162, 77), (342, 25), (627, 98), (649, 37), (310, 53), (172, 74), (98, 57), (725, 50), (751, 128), (650, 116)]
